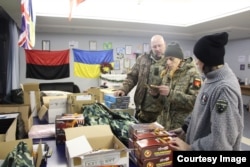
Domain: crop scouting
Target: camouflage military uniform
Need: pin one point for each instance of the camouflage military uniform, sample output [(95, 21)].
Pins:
[(145, 71), (184, 86)]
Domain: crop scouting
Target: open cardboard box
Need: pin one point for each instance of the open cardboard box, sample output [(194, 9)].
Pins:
[(75, 101), (53, 106), (99, 137), (23, 109), (31, 95), (8, 125), (7, 147)]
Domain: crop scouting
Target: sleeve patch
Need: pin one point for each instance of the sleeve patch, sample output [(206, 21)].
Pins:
[(197, 82), (221, 106)]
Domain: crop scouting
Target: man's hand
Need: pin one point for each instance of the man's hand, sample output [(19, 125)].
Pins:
[(179, 132), (177, 144), (163, 89), (119, 93)]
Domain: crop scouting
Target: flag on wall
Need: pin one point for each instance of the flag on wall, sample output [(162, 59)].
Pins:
[(47, 64), (71, 5), (87, 63), (27, 36)]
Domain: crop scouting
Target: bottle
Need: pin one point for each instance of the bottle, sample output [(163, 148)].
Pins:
[(246, 81)]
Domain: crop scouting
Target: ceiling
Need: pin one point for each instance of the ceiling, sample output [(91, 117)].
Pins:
[(237, 25)]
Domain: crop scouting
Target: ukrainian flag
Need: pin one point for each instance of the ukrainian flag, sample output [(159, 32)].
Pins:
[(87, 63)]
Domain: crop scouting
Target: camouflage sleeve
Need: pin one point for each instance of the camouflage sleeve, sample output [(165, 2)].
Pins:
[(185, 99), (132, 78)]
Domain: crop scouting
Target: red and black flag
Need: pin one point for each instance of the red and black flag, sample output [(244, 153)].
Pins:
[(47, 64)]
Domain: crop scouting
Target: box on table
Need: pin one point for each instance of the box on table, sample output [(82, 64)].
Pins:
[(53, 106), (128, 110), (144, 127), (97, 93), (23, 109), (166, 161), (75, 101), (31, 95), (7, 147), (99, 137), (8, 126), (116, 99), (66, 121), (113, 105), (152, 148)]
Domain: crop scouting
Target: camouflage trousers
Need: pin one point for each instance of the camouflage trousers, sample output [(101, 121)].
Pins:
[(147, 117), (172, 119)]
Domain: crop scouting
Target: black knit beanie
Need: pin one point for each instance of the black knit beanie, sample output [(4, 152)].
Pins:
[(210, 49), (174, 50)]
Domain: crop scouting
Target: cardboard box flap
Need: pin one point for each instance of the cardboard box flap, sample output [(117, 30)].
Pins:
[(23, 109), (89, 131), (30, 86), (49, 100), (78, 146), (42, 112)]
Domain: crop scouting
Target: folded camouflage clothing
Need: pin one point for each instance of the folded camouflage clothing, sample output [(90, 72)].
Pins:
[(19, 157)]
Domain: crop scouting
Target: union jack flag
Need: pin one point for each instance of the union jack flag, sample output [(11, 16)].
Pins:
[(27, 36)]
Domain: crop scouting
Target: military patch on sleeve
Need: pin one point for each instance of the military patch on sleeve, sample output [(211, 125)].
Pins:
[(197, 82), (221, 106)]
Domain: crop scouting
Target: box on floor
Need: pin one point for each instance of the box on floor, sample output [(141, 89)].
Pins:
[(99, 137), (7, 147)]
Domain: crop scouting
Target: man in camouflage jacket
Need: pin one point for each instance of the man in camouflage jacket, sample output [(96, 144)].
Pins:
[(181, 87), (146, 71)]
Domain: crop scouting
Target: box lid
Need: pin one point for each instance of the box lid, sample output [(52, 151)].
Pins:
[(78, 146), (88, 131)]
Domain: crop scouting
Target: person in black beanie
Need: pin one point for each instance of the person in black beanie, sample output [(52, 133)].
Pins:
[(216, 122)]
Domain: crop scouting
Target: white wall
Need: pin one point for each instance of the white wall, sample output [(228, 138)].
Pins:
[(61, 42)]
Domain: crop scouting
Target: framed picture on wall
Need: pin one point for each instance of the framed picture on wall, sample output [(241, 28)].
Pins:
[(117, 65), (145, 48), (128, 49), (92, 45), (45, 45)]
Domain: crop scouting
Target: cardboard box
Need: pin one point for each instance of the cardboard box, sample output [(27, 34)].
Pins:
[(8, 126), (99, 137), (24, 110), (53, 106), (66, 121), (128, 110), (166, 161), (31, 95), (152, 148), (143, 128), (97, 93), (7, 147), (75, 101)]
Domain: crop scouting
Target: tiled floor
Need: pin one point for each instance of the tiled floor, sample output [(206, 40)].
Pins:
[(246, 132)]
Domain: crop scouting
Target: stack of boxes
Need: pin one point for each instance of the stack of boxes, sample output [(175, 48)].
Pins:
[(116, 102), (66, 121), (149, 145)]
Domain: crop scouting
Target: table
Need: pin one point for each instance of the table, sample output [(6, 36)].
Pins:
[(58, 157)]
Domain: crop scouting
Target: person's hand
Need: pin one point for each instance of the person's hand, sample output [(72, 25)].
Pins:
[(119, 93), (163, 89), (179, 132), (177, 144)]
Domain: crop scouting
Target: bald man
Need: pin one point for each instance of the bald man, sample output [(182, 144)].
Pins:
[(146, 71)]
